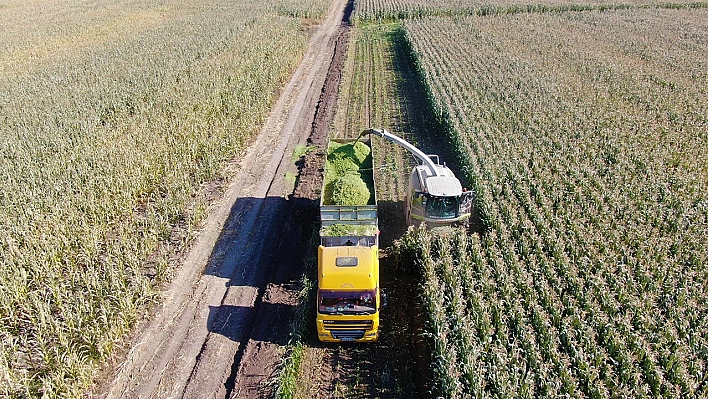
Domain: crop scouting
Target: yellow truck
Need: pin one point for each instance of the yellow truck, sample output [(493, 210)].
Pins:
[(349, 298)]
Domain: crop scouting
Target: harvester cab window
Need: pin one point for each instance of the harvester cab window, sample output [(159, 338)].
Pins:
[(441, 207)]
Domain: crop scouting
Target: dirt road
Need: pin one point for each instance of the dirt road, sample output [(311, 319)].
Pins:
[(224, 317)]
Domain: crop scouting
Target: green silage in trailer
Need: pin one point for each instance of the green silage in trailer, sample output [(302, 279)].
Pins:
[(344, 183)]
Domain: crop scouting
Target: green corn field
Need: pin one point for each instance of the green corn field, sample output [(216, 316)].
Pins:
[(584, 136), (395, 10)]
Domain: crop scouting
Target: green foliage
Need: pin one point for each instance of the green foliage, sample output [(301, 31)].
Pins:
[(356, 151), (301, 150), (591, 261), (288, 370), (348, 158), (343, 180), (387, 10), (340, 230), (350, 190), (300, 325), (287, 378)]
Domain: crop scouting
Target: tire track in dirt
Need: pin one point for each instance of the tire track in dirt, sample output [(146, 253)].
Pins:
[(197, 340), (264, 349)]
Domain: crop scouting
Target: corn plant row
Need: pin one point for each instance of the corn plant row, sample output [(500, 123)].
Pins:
[(113, 115), (388, 10), (584, 136)]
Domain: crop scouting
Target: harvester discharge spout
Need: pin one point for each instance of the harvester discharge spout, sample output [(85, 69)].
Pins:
[(403, 143)]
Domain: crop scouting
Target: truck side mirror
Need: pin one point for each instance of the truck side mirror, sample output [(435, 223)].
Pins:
[(384, 300)]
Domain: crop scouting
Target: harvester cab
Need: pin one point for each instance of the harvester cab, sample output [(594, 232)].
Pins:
[(434, 196)]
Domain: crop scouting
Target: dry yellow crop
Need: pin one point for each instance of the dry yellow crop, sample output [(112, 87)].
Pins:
[(112, 115)]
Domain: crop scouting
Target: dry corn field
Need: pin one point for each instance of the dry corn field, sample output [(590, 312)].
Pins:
[(585, 137), (113, 117)]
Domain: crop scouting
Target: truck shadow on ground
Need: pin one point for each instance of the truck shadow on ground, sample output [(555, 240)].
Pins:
[(259, 254), (391, 222), (246, 236), (233, 322)]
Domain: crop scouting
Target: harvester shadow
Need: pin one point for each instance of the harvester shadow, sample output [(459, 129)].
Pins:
[(391, 222)]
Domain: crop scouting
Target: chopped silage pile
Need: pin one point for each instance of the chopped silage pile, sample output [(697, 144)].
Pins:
[(343, 230), (350, 190), (344, 184)]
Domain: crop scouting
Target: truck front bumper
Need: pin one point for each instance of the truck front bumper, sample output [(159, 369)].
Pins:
[(347, 330)]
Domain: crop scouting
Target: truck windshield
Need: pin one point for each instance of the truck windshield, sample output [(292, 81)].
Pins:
[(347, 302), (441, 207)]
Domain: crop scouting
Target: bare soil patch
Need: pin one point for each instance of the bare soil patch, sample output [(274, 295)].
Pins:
[(265, 348)]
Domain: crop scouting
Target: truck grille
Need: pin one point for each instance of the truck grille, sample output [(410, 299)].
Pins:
[(331, 324), (347, 330)]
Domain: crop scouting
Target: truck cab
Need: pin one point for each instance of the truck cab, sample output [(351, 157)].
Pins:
[(348, 293)]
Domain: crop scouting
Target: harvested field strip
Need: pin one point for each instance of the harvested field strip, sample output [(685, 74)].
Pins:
[(328, 371), (391, 10), (114, 117), (584, 135), (373, 95)]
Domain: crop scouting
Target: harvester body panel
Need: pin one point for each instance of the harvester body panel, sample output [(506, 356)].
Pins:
[(435, 196)]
